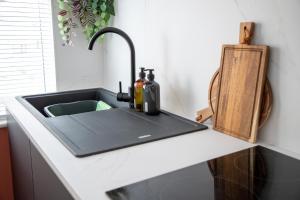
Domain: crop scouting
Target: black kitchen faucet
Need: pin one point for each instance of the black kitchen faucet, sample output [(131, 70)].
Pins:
[(126, 97)]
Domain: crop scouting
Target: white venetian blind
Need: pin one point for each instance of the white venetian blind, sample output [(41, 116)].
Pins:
[(26, 48)]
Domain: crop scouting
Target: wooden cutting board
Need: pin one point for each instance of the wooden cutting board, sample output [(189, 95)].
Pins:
[(206, 113), (242, 77)]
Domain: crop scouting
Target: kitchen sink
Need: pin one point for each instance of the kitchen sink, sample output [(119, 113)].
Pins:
[(91, 132)]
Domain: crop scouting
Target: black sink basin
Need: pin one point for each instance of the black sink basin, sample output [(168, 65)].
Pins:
[(37, 103), (96, 132)]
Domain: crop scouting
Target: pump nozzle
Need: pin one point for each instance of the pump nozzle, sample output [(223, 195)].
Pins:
[(142, 74), (150, 76)]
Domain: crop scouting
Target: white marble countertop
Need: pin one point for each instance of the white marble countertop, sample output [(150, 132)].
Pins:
[(88, 178), (3, 123)]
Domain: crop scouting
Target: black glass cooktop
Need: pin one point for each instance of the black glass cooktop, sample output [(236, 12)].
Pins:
[(255, 173)]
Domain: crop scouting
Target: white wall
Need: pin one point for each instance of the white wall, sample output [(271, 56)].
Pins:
[(76, 67), (182, 41)]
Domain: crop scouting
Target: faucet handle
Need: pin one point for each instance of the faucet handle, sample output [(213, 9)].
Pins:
[(122, 96), (120, 86)]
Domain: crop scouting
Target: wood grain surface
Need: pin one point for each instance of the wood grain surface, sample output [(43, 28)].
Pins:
[(246, 32), (206, 113), (242, 78), (6, 186)]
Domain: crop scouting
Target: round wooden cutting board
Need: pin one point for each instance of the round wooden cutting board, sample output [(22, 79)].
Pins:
[(267, 101)]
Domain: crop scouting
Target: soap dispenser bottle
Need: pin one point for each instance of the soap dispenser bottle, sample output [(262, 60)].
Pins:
[(139, 91), (151, 95)]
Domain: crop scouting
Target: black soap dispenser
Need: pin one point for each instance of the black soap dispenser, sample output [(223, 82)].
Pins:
[(151, 95)]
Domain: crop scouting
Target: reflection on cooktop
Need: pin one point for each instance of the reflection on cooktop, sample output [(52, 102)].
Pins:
[(255, 173)]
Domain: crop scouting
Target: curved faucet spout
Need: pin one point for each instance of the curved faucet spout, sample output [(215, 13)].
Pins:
[(121, 96)]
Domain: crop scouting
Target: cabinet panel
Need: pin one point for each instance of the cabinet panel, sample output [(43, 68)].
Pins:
[(47, 186), (33, 178), (21, 161)]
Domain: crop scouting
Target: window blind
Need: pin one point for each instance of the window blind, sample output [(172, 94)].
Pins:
[(26, 49)]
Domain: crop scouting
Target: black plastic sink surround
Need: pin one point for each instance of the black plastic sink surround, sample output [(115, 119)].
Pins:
[(96, 132)]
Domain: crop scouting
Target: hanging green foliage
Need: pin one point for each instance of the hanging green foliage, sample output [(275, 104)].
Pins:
[(92, 15)]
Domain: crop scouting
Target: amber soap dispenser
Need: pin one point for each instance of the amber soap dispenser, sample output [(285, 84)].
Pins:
[(139, 91)]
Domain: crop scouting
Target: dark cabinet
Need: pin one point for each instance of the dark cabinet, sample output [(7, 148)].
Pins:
[(33, 178), (21, 161), (46, 184)]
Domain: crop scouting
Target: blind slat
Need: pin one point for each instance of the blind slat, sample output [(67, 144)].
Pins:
[(26, 48)]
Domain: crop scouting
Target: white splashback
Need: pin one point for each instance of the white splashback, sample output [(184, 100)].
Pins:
[(182, 41), (76, 66)]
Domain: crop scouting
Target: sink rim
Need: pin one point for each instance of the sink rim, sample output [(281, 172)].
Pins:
[(60, 136), (25, 100)]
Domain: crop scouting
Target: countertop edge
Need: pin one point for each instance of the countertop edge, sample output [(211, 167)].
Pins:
[(3, 123)]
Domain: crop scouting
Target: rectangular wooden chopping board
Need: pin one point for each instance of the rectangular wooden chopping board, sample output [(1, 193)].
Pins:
[(243, 72)]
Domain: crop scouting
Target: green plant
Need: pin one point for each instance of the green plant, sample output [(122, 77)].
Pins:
[(92, 15)]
